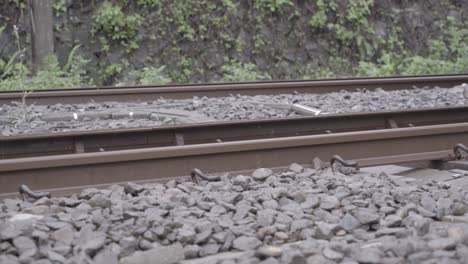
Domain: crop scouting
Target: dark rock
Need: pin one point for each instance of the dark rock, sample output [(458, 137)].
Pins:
[(132, 188)]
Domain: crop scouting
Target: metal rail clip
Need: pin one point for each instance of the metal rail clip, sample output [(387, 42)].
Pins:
[(26, 193), (344, 166), (196, 173), (460, 151)]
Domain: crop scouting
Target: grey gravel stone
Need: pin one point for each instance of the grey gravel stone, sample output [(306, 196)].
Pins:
[(246, 243), (266, 217), (325, 230), (65, 235), (262, 174), (369, 255), (133, 188), (8, 230), (191, 251), (24, 244), (329, 202), (366, 216), (268, 251), (106, 256), (8, 259), (241, 181), (163, 254), (296, 168), (349, 223), (332, 254), (363, 218), (209, 249), (442, 243), (99, 200)]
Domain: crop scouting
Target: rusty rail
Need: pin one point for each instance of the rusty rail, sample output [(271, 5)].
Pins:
[(68, 173), (119, 139), (146, 93)]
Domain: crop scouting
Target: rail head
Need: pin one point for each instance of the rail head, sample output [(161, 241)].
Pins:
[(132, 93), (228, 147)]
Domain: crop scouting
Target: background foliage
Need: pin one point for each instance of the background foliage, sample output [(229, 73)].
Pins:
[(117, 42)]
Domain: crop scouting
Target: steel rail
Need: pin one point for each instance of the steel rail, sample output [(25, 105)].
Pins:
[(147, 93), (68, 173), (119, 139)]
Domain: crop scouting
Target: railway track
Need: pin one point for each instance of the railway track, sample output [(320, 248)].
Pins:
[(121, 139), (315, 215), (147, 93), (64, 174)]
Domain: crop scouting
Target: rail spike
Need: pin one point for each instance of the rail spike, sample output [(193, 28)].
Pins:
[(460, 151), (197, 173), (343, 166), (26, 193)]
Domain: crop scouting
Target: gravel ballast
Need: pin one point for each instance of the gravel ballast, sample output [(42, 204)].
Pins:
[(298, 215), (111, 115)]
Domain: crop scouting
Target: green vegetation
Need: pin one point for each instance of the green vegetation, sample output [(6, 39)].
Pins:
[(114, 25), (448, 54), (177, 41), (72, 74), (151, 76), (238, 72)]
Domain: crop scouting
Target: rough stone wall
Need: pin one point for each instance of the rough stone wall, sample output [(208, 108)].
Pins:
[(194, 39)]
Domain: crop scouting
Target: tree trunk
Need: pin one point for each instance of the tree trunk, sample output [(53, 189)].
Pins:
[(42, 37)]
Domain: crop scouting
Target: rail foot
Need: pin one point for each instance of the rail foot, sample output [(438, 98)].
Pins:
[(343, 166), (27, 194), (196, 174), (460, 151)]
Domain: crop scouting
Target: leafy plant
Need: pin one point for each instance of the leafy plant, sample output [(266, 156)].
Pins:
[(238, 72), (73, 74), (59, 7), (115, 25), (152, 76), (270, 6)]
